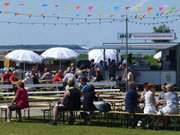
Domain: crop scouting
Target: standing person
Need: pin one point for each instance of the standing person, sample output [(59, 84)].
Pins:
[(19, 102), (99, 76), (112, 70), (171, 101), (150, 103), (131, 99), (127, 74), (101, 68)]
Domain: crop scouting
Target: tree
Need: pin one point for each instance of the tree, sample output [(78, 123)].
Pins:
[(162, 29)]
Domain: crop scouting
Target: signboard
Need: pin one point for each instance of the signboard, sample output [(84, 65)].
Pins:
[(148, 36)]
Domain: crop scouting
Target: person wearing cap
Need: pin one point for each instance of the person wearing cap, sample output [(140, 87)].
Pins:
[(150, 103), (171, 101), (19, 102)]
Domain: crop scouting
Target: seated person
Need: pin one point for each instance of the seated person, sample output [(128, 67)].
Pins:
[(28, 80), (58, 76), (171, 100), (68, 75), (71, 101), (88, 106), (46, 75), (14, 77), (5, 77), (35, 78), (145, 89), (161, 97), (150, 103), (131, 99), (19, 102)]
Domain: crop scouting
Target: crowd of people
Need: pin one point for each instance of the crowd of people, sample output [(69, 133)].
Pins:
[(110, 70), (74, 97), (148, 102), (79, 93)]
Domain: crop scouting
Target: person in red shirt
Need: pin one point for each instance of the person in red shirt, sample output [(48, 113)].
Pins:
[(58, 76), (5, 77), (13, 77), (19, 102)]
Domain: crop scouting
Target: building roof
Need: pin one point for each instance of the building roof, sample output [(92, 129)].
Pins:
[(136, 46), (37, 47)]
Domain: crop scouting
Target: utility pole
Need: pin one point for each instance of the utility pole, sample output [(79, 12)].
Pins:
[(127, 36)]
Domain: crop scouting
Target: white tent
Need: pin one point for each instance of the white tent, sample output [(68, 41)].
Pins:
[(158, 55), (98, 54)]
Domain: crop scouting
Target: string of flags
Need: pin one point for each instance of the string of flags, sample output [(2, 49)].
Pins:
[(90, 22), (55, 24), (137, 14), (91, 9)]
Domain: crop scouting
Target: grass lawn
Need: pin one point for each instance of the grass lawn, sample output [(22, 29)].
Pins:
[(45, 129)]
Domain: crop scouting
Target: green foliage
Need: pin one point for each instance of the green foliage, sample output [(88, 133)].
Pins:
[(153, 62), (161, 29), (83, 56)]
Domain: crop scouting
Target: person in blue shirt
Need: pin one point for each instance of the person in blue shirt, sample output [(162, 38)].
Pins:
[(88, 94), (84, 87)]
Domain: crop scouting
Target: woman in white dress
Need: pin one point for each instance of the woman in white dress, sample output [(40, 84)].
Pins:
[(150, 104), (171, 101)]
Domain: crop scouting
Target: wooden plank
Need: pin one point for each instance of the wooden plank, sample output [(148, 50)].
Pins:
[(6, 86)]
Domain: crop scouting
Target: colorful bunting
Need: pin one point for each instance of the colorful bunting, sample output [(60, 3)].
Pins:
[(44, 5), (115, 8), (6, 4), (90, 8), (149, 9), (78, 7), (21, 4)]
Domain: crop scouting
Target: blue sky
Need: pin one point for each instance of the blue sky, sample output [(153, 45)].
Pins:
[(92, 35)]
